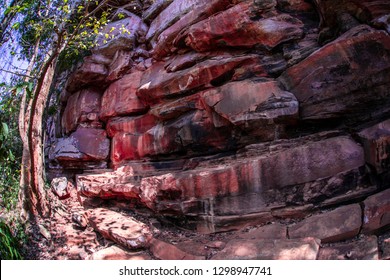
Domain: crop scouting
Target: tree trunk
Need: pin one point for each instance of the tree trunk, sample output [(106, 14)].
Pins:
[(23, 124), (33, 194)]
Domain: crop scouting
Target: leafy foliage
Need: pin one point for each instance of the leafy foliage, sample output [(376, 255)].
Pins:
[(9, 245), (10, 152)]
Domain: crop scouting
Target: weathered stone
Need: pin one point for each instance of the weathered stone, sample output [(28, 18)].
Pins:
[(293, 249), (206, 130), (80, 107), (120, 97), (155, 9), (124, 181), (336, 225), (118, 184), (135, 125), (295, 52), (350, 196), (236, 187), (184, 61), (157, 84), (176, 108), (362, 249), (170, 15), (167, 138), (108, 190), (169, 40), (376, 212), (61, 187), (334, 82), (272, 231), (252, 104), (117, 253), (83, 145), (235, 28), (120, 228), (303, 164), (120, 35), (121, 64), (165, 251), (376, 143), (261, 66), (88, 73)]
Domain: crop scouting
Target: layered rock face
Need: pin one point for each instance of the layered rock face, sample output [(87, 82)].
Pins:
[(225, 113)]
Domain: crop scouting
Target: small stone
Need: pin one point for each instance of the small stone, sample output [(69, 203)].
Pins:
[(44, 232), (60, 187), (80, 219)]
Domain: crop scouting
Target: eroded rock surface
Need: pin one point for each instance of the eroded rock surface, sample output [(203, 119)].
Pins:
[(125, 231), (227, 115)]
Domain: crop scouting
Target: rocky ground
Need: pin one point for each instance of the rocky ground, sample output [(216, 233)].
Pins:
[(110, 232)]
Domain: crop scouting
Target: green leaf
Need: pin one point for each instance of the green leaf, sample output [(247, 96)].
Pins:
[(11, 156), (5, 129), (7, 11), (30, 86), (19, 89), (16, 25)]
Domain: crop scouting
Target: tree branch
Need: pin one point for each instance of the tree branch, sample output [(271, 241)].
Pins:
[(18, 74)]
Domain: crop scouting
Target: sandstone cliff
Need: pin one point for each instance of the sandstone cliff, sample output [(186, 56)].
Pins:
[(257, 116)]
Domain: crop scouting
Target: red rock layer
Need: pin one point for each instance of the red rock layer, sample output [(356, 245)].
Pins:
[(232, 112)]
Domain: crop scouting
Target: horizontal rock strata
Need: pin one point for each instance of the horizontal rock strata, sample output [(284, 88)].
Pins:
[(221, 115)]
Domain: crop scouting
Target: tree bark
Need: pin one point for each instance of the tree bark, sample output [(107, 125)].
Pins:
[(23, 124), (33, 194)]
